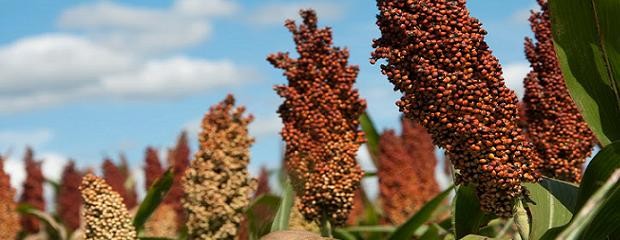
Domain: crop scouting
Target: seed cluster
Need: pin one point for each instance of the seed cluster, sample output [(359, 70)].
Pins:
[(152, 167), (555, 126), (406, 171), (357, 211), (452, 84), (116, 177), (32, 191), (69, 199), (8, 213), (105, 215), (178, 159), (217, 185), (320, 115)]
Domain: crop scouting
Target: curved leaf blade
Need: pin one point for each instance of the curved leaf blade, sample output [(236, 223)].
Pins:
[(153, 198), (408, 229), (586, 41), (280, 222), (546, 210), (372, 137), (467, 218), (599, 170)]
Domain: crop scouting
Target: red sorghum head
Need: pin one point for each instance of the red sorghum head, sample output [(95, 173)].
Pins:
[(406, 171), (320, 115), (69, 199), (152, 167), (178, 159), (452, 84), (116, 177), (555, 126), (8, 209), (32, 191)]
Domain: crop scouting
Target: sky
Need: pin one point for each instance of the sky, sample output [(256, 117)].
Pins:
[(85, 80)]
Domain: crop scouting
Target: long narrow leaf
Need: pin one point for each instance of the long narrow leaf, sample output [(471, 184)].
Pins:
[(546, 210), (407, 229), (587, 43), (599, 216), (153, 198), (600, 169), (466, 213), (372, 137), (280, 222), (57, 230)]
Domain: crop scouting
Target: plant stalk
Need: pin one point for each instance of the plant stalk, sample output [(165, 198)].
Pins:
[(326, 227)]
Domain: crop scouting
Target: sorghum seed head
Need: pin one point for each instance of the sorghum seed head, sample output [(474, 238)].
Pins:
[(8, 209), (320, 115), (69, 199), (406, 171), (452, 85), (217, 185), (555, 126), (178, 159), (152, 167), (105, 215), (32, 191), (116, 177)]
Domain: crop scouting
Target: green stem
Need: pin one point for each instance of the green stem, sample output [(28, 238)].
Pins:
[(326, 227), (522, 221)]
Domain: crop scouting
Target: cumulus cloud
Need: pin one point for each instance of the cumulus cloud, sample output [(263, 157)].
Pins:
[(14, 138), (146, 30), (53, 163), (276, 13), (514, 73)]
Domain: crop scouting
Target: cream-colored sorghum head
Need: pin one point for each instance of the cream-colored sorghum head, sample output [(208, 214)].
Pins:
[(105, 214), (9, 219), (217, 185)]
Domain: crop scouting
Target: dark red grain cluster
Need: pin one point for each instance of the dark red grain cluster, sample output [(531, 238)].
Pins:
[(320, 115), (152, 167), (116, 177), (69, 197), (406, 171), (32, 191), (555, 126), (452, 84), (357, 211), (178, 159)]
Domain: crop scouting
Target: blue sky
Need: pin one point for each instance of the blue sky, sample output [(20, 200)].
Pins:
[(84, 80)]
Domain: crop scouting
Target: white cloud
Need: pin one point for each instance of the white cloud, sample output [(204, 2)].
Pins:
[(514, 73), (14, 139), (206, 7), (53, 164), (173, 77), (276, 13), (146, 30)]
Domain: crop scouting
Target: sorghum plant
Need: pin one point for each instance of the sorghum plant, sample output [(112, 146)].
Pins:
[(406, 171), (217, 185), (105, 215), (453, 86), (178, 159), (8, 214), (162, 223), (69, 199), (555, 126), (320, 115), (117, 178), (32, 191), (152, 167)]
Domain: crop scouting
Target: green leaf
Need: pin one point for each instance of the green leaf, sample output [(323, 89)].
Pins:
[(600, 215), (342, 234), (475, 237), (565, 192), (599, 170), (467, 218), (372, 137), (153, 198), (375, 228), (546, 209), (587, 44), (431, 233), (267, 206), (407, 229), (54, 229), (280, 222)]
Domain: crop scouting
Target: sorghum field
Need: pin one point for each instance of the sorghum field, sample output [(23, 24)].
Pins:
[(542, 166)]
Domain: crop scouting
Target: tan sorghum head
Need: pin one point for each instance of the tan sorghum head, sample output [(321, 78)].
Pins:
[(320, 112), (9, 218), (217, 185), (162, 223), (105, 215), (555, 126), (453, 86)]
